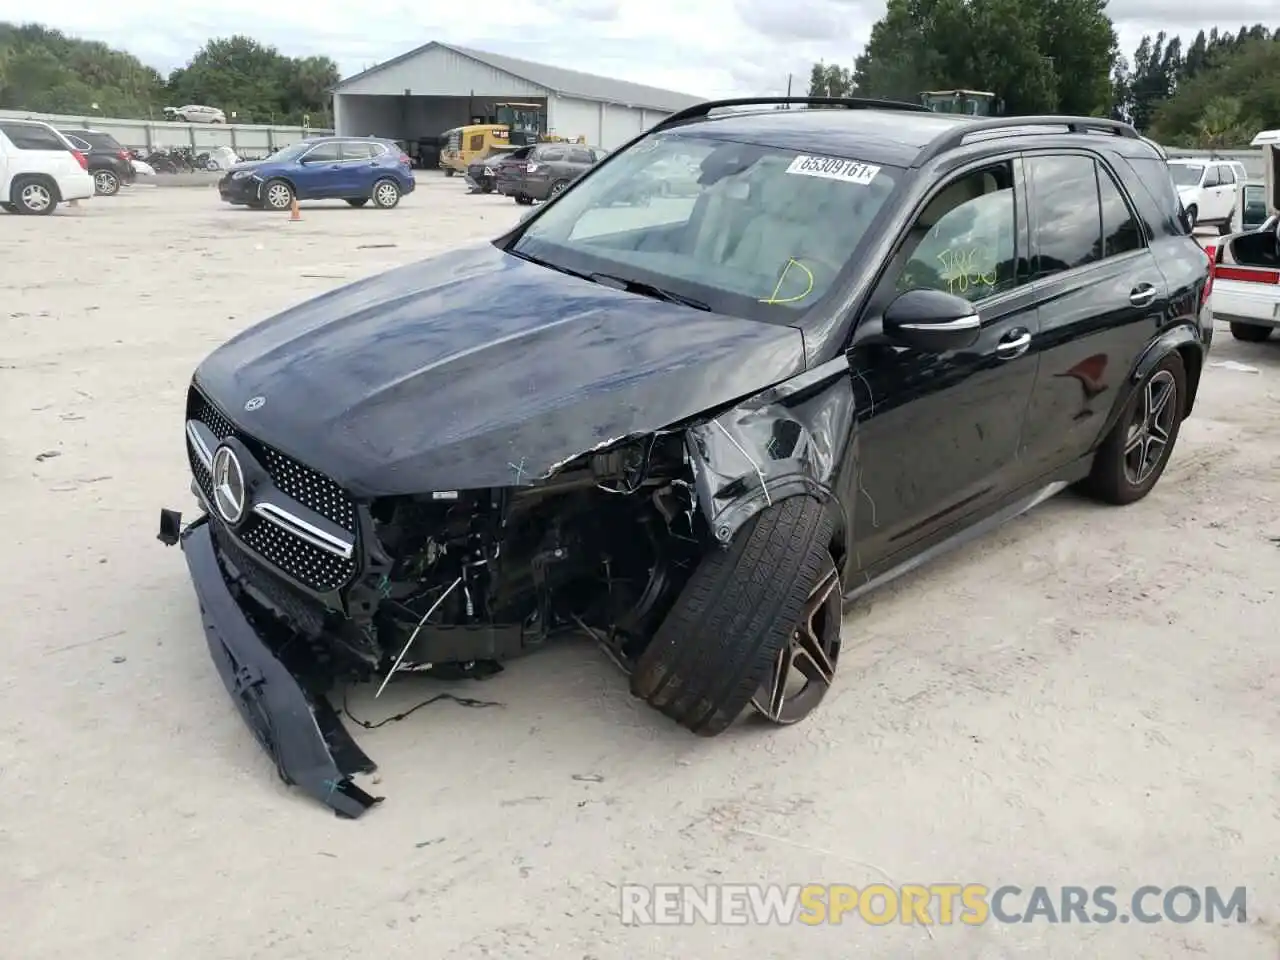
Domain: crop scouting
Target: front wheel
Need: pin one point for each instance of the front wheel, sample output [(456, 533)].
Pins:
[(1250, 332), (277, 195), (1192, 215), (758, 623), (559, 187), (1137, 450), (386, 194), (106, 183)]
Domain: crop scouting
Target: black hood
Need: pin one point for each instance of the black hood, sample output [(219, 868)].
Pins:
[(478, 369)]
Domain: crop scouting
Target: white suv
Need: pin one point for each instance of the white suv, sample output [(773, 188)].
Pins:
[(195, 113), (1207, 189), (39, 168)]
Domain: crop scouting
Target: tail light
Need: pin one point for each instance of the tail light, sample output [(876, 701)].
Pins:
[(1211, 253), (81, 159), (123, 155), (531, 168), (405, 161)]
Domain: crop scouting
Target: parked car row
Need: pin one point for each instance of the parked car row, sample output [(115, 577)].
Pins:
[(530, 174), (40, 168)]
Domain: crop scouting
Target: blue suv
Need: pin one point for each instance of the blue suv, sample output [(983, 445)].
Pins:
[(354, 169)]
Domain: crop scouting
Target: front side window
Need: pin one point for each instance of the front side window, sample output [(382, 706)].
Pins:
[(1065, 214), (1186, 174), (964, 241), (324, 153), (750, 230)]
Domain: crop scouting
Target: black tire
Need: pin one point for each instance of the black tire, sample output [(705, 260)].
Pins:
[(277, 195), (523, 200), (1110, 480), (34, 196), (1192, 214), (557, 188), (358, 201), (1250, 332), (735, 615), (386, 194), (1225, 228), (449, 171)]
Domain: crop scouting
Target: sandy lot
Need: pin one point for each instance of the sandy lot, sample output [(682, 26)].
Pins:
[(1088, 697)]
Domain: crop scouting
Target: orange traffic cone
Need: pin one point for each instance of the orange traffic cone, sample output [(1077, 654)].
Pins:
[(294, 212)]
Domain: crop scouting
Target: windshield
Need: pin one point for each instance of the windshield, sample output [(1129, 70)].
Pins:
[(750, 230), (1186, 174)]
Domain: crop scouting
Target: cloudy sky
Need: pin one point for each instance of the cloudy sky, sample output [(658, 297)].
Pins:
[(707, 48)]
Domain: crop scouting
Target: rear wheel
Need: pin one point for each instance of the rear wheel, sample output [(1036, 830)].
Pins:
[(1137, 450), (277, 195), (106, 183), (386, 194), (449, 171), (34, 197), (358, 201), (523, 200), (1250, 332), (758, 624)]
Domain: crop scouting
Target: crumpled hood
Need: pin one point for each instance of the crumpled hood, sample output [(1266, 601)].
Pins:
[(478, 369), (245, 165)]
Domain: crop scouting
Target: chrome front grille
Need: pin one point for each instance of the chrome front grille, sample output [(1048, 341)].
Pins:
[(275, 541)]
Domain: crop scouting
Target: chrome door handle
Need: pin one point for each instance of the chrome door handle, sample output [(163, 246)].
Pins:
[(1142, 295), (1009, 349)]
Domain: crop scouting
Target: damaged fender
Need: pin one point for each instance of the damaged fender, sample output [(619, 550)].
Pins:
[(786, 441)]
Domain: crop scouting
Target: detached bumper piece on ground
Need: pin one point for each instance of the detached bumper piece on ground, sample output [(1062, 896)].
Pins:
[(652, 418)]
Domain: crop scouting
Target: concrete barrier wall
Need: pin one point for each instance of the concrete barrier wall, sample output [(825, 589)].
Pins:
[(246, 139)]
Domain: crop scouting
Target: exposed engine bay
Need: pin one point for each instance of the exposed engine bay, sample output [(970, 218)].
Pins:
[(456, 581)]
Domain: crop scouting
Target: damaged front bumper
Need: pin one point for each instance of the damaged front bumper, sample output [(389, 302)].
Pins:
[(296, 725)]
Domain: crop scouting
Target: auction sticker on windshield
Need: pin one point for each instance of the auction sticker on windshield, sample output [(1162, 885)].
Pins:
[(834, 168)]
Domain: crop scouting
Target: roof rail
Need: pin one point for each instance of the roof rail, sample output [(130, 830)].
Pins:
[(957, 136), (701, 110)]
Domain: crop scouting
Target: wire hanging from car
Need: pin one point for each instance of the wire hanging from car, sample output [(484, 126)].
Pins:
[(375, 724), (414, 636)]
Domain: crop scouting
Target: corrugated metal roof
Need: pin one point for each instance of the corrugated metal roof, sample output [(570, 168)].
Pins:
[(569, 83)]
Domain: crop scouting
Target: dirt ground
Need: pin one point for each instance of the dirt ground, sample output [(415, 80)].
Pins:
[(1089, 696)]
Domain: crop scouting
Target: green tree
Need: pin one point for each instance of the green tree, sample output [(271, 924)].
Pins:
[(1236, 95), (1038, 56), (830, 80)]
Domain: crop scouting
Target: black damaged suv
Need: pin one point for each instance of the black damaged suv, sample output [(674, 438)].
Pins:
[(691, 428)]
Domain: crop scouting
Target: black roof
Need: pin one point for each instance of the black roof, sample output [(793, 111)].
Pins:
[(878, 131), (889, 137)]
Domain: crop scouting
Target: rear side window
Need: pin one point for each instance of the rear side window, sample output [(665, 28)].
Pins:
[(1152, 188), (551, 156), (580, 156), (26, 136), (1065, 214), (101, 141), (1120, 230), (357, 150)]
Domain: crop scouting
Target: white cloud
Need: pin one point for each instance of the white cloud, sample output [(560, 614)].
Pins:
[(708, 48)]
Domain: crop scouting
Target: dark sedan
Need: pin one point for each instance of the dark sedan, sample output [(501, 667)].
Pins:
[(548, 170)]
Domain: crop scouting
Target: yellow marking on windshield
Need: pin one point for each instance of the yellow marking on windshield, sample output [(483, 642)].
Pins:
[(791, 262)]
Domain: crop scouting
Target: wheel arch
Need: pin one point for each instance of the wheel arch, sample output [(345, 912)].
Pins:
[(43, 178), (788, 441), (1186, 341)]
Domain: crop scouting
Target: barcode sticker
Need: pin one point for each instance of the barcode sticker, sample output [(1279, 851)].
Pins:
[(834, 168)]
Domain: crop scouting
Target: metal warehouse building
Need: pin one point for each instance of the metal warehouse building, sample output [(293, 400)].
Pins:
[(439, 86)]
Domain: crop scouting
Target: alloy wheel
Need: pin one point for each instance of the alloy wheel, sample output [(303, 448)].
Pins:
[(386, 194), (36, 197), (105, 182), (1147, 441), (806, 667), (278, 196), (558, 189)]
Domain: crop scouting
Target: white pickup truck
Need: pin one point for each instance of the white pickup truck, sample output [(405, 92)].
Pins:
[(1246, 272)]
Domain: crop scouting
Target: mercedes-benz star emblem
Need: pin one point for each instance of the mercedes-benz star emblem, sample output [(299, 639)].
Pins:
[(254, 403), (228, 485)]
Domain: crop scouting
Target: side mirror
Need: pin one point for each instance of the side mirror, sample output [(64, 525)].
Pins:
[(933, 321)]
